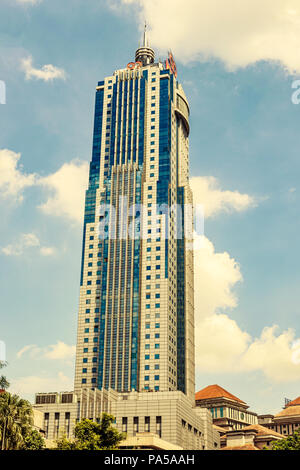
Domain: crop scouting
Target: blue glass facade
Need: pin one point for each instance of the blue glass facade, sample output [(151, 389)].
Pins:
[(127, 107)]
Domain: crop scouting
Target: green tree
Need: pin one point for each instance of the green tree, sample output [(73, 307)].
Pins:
[(4, 384), (33, 440), (16, 418), (288, 443), (65, 444), (93, 436)]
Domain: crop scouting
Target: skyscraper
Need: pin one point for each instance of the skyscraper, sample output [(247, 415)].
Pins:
[(135, 340), (136, 313)]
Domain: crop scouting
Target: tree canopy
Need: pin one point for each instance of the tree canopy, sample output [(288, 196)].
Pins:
[(93, 436), (288, 443), (4, 384), (33, 440), (16, 419)]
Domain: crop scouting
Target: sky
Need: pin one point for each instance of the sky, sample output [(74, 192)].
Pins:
[(237, 62)]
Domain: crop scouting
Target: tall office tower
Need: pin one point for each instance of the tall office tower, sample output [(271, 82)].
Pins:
[(136, 314)]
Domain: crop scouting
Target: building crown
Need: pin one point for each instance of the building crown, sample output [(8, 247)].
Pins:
[(145, 54)]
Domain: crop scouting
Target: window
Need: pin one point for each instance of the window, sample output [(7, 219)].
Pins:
[(124, 424), (147, 423), (136, 424)]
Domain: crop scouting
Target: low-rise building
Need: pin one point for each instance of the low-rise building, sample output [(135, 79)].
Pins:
[(285, 422), (254, 437), (227, 411), (170, 416)]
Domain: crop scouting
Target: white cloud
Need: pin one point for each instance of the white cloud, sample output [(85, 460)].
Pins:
[(58, 351), (47, 73), (221, 345), (273, 353), (27, 386), (237, 32), (29, 2), (66, 187), (26, 241), (207, 191), (31, 349), (216, 274), (47, 251), (13, 180)]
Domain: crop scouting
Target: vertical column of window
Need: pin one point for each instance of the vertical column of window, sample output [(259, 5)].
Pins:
[(98, 119), (119, 128), (135, 121), (129, 122), (90, 199), (142, 120), (106, 200), (115, 288), (128, 287), (135, 295), (109, 304), (164, 156), (128, 315), (103, 291), (125, 109), (113, 123), (123, 259), (181, 299)]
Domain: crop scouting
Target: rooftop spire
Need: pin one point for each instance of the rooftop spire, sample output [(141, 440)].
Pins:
[(145, 54), (145, 43)]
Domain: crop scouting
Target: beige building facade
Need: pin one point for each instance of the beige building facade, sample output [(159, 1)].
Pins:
[(168, 416)]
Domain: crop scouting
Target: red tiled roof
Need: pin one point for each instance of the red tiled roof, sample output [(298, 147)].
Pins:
[(215, 391), (289, 411), (262, 430), (294, 402)]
